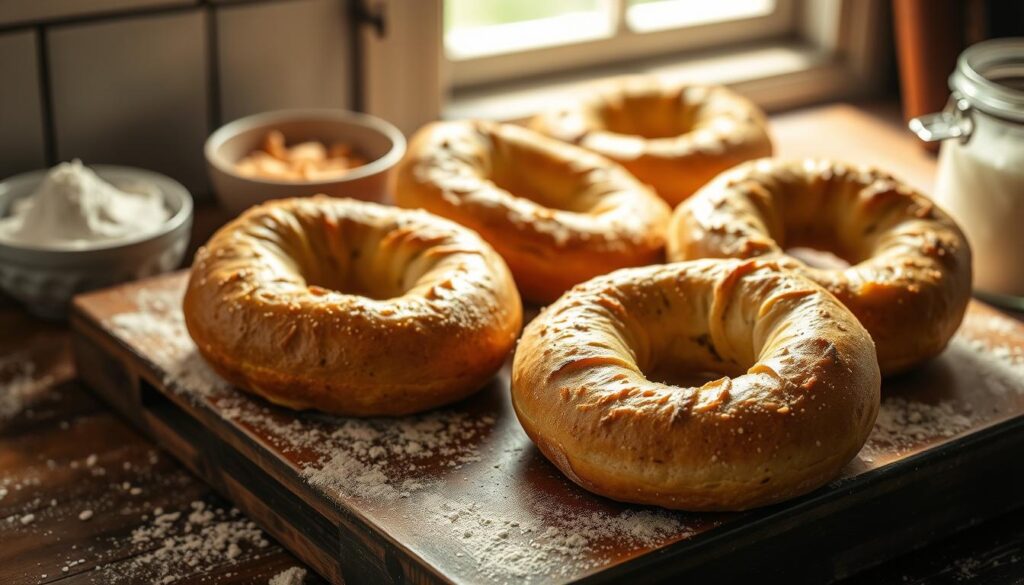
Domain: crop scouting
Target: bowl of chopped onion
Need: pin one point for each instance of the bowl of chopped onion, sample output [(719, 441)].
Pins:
[(292, 153)]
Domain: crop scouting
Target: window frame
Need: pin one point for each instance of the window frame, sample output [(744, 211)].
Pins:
[(622, 45), (841, 49)]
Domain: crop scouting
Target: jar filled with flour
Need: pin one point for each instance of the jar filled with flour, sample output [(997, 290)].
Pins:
[(981, 163)]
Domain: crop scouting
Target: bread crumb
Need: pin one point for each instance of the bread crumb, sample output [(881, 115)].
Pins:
[(85, 515), (290, 576), (20, 389), (177, 544)]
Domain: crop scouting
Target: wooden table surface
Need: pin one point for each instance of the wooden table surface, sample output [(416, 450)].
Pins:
[(81, 491)]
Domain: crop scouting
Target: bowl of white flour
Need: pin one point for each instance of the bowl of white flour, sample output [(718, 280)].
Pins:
[(75, 228)]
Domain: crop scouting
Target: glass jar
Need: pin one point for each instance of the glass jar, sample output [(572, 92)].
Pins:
[(981, 163)]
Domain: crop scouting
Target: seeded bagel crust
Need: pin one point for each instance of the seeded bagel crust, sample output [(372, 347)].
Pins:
[(673, 136), (351, 308), (556, 213), (796, 397), (909, 281)]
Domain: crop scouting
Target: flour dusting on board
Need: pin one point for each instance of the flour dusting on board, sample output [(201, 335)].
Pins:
[(364, 452), (1004, 363), (366, 458), (903, 425), (385, 461), (505, 550), (392, 463), (158, 325)]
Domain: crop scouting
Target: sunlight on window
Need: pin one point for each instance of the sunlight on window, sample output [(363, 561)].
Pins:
[(478, 28), (652, 15), (475, 28)]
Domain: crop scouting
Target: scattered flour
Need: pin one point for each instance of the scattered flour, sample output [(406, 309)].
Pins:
[(1004, 363), (385, 460), (19, 386), (367, 458), (903, 424), (158, 324), (178, 544), (997, 324), (164, 547), (966, 569), (505, 550), (290, 576)]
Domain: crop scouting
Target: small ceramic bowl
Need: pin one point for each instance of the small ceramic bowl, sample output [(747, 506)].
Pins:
[(45, 279), (380, 142)]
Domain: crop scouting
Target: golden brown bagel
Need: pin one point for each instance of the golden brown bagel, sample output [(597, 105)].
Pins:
[(797, 395), (910, 276), (557, 213), (673, 136), (351, 308)]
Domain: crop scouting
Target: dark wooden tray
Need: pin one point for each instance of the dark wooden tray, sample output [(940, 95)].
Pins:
[(461, 495)]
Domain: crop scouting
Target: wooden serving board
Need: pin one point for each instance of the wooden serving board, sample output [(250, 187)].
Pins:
[(462, 495)]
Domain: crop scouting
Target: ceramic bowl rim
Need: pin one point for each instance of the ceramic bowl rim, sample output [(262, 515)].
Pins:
[(170, 189), (267, 120)]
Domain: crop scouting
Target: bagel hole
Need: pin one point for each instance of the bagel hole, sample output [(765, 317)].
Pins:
[(685, 359), (553, 195), (356, 269), (347, 285), (673, 369), (684, 378), (819, 258), (650, 117)]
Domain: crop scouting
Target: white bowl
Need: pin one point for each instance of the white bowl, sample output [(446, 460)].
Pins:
[(379, 141), (45, 279)]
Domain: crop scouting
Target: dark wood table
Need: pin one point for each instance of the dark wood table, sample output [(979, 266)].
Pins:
[(84, 498)]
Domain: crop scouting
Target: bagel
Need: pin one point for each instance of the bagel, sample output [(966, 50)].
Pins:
[(351, 308), (795, 394), (559, 215), (673, 136), (910, 276)]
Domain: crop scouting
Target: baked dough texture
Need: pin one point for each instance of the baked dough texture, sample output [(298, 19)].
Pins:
[(556, 213), (909, 281), (351, 308), (597, 383), (673, 136)]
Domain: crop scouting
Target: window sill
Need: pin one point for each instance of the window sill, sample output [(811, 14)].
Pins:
[(780, 75)]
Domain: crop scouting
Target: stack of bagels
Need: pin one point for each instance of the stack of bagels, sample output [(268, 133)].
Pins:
[(685, 358)]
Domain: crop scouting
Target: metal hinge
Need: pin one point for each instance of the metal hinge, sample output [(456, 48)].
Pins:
[(372, 16)]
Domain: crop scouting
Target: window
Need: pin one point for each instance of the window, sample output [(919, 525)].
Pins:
[(508, 59), (493, 40)]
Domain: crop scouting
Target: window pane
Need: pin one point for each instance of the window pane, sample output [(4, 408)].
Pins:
[(485, 27), (652, 15)]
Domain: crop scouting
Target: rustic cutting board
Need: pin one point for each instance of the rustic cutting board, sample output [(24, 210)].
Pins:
[(461, 495)]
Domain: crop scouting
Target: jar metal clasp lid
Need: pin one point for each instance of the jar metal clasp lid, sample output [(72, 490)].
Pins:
[(953, 122)]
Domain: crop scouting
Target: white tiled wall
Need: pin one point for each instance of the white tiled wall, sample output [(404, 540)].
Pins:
[(28, 11), (133, 91), (144, 82), (21, 116), (283, 54)]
